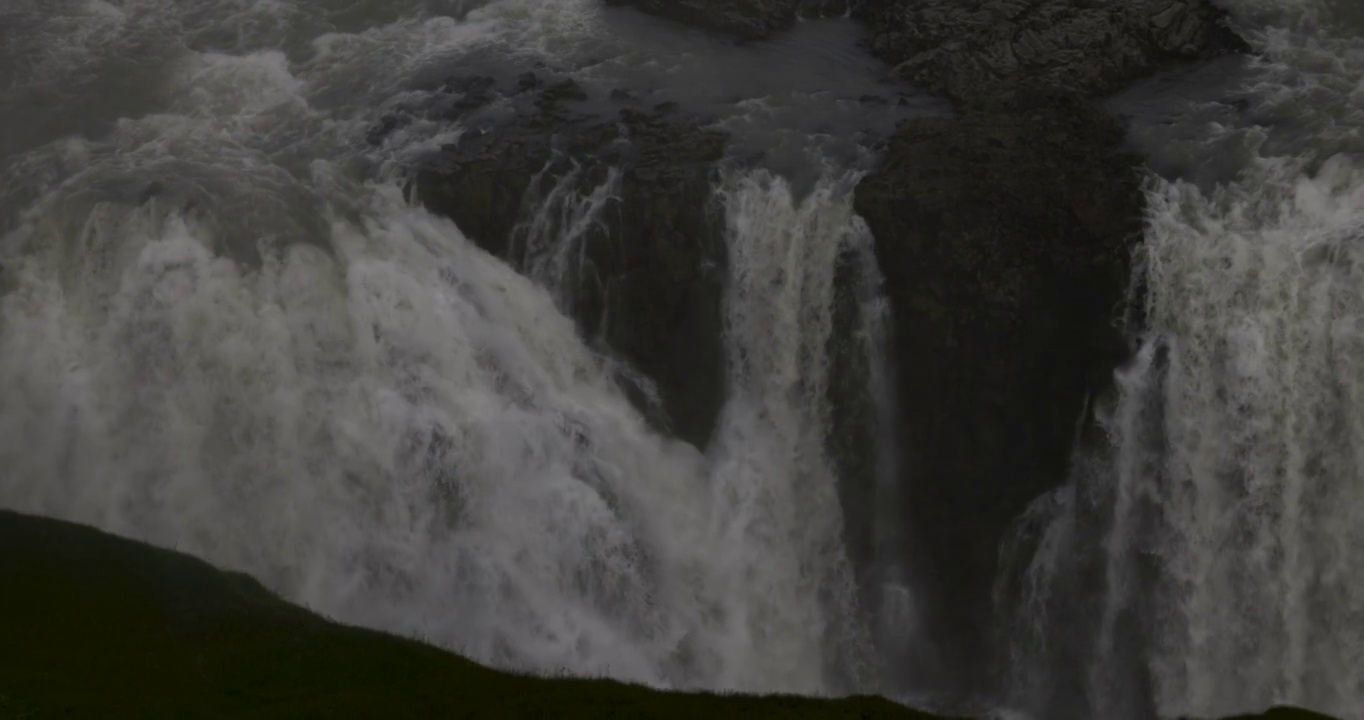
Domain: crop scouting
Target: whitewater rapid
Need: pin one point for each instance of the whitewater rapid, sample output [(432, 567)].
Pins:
[(1208, 557), (223, 330)]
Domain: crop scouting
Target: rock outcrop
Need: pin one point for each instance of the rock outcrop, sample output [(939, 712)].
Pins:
[(1005, 235), (649, 283), (987, 51), (1004, 240), (152, 633)]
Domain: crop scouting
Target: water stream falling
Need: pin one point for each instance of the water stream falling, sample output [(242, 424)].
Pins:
[(223, 330)]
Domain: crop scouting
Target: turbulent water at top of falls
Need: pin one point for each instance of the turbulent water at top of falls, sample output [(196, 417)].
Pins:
[(223, 330), (1209, 559)]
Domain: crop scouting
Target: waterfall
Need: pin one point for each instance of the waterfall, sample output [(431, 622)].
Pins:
[(224, 330), (1209, 554)]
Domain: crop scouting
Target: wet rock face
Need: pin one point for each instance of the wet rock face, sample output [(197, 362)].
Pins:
[(649, 286), (1004, 241), (985, 51), (1005, 236)]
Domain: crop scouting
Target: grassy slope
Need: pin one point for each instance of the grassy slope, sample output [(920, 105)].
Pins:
[(97, 626), (94, 626)]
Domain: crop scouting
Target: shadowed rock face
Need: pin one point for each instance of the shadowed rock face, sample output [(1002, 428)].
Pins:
[(1004, 240), (745, 19), (650, 285), (986, 51), (1005, 236), (1284, 713)]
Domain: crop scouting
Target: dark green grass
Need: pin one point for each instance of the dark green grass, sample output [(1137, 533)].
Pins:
[(95, 626)]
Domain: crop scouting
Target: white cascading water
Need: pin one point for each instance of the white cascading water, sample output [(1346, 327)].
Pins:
[(1226, 514), (550, 239), (217, 336), (894, 612)]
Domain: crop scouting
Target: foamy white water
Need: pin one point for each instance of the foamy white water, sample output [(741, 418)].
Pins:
[(1215, 550), (774, 484), (223, 331)]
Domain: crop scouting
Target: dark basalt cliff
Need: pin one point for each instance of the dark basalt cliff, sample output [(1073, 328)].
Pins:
[(987, 50), (1005, 236), (98, 626)]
